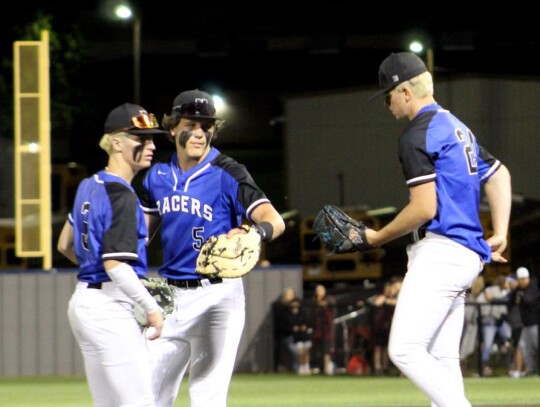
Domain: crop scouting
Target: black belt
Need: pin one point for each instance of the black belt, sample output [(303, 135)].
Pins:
[(418, 234), (96, 286), (194, 283)]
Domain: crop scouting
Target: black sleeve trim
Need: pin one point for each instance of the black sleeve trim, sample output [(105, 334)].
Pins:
[(121, 239)]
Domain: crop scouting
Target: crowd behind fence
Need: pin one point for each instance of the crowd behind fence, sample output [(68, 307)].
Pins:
[(356, 334)]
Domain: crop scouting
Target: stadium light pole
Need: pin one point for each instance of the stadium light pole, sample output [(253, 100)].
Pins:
[(429, 61), (125, 12), (417, 47)]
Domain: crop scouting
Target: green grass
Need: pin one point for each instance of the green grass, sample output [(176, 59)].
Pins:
[(286, 390)]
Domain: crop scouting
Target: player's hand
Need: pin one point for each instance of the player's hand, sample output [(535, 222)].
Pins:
[(235, 231), (154, 324), (498, 257), (371, 236), (498, 246)]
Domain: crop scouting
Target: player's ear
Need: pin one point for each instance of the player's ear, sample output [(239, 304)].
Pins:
[(407, 92), (116, 142), (171, 135)]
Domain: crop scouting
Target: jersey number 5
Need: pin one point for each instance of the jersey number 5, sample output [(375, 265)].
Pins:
[(196, 234)]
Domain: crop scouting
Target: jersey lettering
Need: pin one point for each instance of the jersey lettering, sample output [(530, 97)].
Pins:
[(469, 150), (184, 204), (84, 234)]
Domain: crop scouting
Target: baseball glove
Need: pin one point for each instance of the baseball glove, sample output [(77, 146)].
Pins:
[(162, 292), (229, 257), (339, 232)]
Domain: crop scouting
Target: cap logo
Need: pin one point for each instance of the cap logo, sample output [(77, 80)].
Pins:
[(194, 104), (395, 78), (133, 119)]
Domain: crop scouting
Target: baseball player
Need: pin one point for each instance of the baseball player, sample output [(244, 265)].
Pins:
[(106, 235), (444, 168), (198, 193)]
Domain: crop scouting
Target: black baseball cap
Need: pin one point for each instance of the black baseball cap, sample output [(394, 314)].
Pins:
[(398, 68), (132, 119), (195, 104)]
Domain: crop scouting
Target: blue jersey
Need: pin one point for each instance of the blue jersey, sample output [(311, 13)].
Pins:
[(108, 224), (436, 146), (207, 200)]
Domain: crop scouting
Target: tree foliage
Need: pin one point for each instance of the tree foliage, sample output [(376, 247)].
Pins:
[(67, 51)]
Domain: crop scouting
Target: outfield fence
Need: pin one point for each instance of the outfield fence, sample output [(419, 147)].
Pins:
[(36, 339)]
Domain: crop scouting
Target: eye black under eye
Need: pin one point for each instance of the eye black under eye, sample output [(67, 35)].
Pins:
[(206, 126)]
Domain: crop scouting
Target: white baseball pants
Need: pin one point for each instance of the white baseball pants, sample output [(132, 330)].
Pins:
[(115, 357), (203, 333), (428, 319)]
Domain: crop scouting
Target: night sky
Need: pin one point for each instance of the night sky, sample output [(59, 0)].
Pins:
[(255, 56)]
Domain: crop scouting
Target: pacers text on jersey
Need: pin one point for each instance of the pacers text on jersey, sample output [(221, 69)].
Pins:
[(184, 204)]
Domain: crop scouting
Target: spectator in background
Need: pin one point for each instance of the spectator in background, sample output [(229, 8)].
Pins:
[(383, 305), (526, 296), (470, 327), (517, 366), (285, 356), (322, 313), (301, 333), (495, 320)]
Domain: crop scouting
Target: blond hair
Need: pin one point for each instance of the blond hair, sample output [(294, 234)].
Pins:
[(421, 85), (106, 140)]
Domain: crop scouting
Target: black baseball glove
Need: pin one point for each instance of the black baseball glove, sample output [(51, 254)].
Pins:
[(339, 232)]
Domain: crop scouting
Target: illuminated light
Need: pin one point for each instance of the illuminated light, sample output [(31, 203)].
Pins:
[(33, 148), (219, 103), (122, 11), (416, 47)]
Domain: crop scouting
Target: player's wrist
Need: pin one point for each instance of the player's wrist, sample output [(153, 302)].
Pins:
[(129, 283), (371, 237), (153, 307), (265, 229)]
